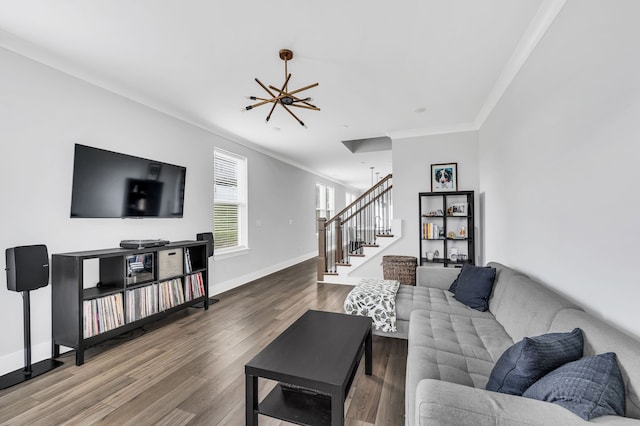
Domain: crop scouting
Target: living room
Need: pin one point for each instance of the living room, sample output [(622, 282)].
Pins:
[(552, 163)]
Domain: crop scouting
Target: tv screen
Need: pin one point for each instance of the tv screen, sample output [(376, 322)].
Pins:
[(107, 184)]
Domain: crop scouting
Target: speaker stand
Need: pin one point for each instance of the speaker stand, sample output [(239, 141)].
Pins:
[(29, 371), (212, 300)]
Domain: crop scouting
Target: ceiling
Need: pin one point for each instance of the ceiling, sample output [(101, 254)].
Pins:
[(398, 69)]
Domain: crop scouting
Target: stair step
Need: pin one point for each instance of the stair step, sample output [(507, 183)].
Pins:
[(384, 235), (357, 255), (369, 245), (331, 273), (343, 264)]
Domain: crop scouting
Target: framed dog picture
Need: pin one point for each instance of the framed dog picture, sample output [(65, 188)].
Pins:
[(444, 177)]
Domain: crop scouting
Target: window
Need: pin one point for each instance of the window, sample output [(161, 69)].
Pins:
[(331, 201), (229, 201), (349, 198), (325, 201)]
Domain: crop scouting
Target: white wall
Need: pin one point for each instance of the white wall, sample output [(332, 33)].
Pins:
[(43, 112), (412, 159), (559, 161)]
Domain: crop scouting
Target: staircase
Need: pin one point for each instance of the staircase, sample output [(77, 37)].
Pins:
[(356, 235)]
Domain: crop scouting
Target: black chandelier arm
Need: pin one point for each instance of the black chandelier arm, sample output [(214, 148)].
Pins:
[(315, 108), (304, 101), (265, 88), (293, 92), (293, 115), (256, 98), (266, 101), (273, 107), (284, 86), (274, 98)]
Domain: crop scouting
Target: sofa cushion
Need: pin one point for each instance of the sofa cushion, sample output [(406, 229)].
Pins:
[(589, 387), (435, 277), (525, 307), (504, 275), (454, 348), (473, 286), (410, 298), (448, 404), (600, 337), (531, 358)]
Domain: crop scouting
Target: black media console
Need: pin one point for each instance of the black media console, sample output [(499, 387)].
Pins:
[(133, 287)]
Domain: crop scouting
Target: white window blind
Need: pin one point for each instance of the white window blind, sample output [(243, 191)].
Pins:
[(229, 201)]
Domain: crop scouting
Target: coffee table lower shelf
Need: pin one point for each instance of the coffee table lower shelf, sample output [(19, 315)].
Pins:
[(297, 406)]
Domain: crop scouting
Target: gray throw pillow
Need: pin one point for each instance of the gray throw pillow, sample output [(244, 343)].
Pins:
[(473, 286), (589, 387), (525, 362)]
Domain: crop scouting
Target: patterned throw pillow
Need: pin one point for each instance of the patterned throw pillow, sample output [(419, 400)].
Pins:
[(525, 362), (589, 387)]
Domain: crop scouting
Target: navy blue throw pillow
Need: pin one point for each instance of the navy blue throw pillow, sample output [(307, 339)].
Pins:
[(453, 286), (473, 286), (525, 362), (589, 387)]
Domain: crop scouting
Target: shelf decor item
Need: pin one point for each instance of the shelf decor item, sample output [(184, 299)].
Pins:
[(459, 209), (444, 177)]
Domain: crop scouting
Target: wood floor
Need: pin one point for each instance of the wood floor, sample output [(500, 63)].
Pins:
[(188, 369)]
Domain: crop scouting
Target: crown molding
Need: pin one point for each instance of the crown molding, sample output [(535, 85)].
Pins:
[(31, 51), (430, 131), (545, 16), (547, 13)]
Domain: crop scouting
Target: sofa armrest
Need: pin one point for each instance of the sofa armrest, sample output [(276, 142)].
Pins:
[(444, 403), (436, 277)]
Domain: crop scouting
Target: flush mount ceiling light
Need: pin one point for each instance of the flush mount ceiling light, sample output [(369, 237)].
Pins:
[(282, 96)]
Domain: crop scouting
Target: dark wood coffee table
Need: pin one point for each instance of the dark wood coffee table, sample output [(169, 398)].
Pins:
[(315, 361)]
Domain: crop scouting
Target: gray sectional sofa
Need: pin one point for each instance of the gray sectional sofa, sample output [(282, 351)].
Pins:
[(452, 350)]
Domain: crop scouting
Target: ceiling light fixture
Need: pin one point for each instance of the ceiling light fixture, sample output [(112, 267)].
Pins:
[(284, 97)]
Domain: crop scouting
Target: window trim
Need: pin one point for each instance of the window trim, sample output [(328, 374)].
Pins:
[(242, 202), (322, 190)]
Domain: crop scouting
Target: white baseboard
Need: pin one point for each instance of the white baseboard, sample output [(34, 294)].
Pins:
[(238, 281)]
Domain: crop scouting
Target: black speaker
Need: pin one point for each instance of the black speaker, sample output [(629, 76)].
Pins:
[(27, 267), (207, 236)]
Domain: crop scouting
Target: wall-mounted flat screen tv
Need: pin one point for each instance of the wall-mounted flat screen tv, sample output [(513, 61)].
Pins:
[(108, 184)]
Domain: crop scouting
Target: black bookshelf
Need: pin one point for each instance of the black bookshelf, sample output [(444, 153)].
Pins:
[(109, 302), (446, 223)]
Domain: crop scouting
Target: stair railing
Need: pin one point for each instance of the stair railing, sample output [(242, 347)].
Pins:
[(357, 226)]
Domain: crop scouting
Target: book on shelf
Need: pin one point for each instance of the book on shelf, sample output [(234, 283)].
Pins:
[(194, 287), (142, 302), (170, 294), (188, 268), (102, 314), (430, 231)]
